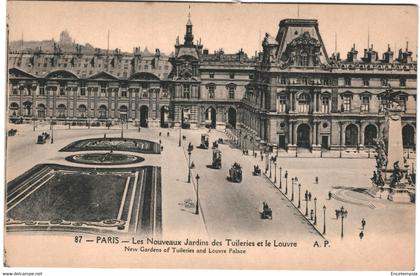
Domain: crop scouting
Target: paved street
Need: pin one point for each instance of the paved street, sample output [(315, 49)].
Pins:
[(233, 209)]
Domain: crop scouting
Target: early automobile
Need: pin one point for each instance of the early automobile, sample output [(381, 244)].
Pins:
[(41, 139), (217, 159), (267, 213), (257, 170), (235, 173)]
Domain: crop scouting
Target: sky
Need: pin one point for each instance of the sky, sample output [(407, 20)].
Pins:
[(228, 26)]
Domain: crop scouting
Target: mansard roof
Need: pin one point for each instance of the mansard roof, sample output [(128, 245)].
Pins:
[(299, 31)]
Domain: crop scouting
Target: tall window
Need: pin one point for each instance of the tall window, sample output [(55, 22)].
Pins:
[(15, 91), (365, 104), (61, 111), (282, 103), (211, 75), (41, 90), (82, 91), (231, 92), (186, 91), (124, 93), (325, 104), (62, 91), (283, 80), (384, 82), (103, 90), (232, 75), (347, 103), (303, 103), (211, 92), (402, 82)]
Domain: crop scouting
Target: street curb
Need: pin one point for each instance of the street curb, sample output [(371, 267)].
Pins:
[(310, 223), (195, 190)]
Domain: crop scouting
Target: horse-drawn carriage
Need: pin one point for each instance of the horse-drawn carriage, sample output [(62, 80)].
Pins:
[(267, 213), (235, 173), (257, 170), (217, 159), (12, 132), (204, 141)]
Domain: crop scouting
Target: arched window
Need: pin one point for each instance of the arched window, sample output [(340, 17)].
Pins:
[(351, 135), (303, 103), (61, 111), (41, 111), (325, 103), (103, 112), (82, 110), (123, 113)]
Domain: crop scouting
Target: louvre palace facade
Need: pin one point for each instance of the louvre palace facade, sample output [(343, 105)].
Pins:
[(291, 95)]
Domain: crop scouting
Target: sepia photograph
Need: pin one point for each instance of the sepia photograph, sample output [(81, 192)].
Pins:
[(270, 136)]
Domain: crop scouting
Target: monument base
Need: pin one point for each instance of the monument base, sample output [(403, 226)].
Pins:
[(400, 195), (379, 192)]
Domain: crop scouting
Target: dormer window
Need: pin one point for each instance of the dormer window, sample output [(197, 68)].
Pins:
[(365, 82), (347, 81)]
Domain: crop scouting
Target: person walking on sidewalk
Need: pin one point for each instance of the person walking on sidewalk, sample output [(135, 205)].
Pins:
[(363, 224)]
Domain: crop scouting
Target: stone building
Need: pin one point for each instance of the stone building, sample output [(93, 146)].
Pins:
[(291, 95), (301, 98)]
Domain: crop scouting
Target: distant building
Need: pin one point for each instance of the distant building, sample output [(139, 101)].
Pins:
[(291, 95)]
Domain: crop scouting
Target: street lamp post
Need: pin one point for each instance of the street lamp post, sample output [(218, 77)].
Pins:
[(179, 144), (190, 149), (271, 159), (275, 172), (315, 211), (196, 205), (122, 129), (280, 179), (293, 190), (285, 176), (299, 195), (253, 146), (324, 230), (306, 200), (343, 214), (52, 132)]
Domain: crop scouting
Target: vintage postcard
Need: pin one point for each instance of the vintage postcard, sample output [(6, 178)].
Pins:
[(210, 135)]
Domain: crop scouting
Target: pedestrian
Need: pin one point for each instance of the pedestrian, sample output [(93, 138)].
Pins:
[(167, 133), (306, 196), (361, 235), (160, 134), (262, 158), (337, 213), (309, 196), (312, 214), (316, 180), (363, 224), (329, 195), (160, 141)]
